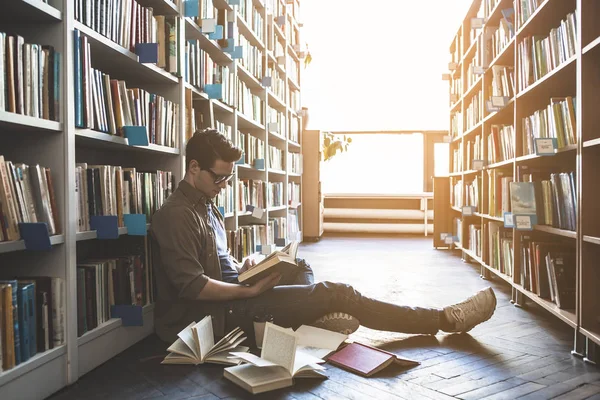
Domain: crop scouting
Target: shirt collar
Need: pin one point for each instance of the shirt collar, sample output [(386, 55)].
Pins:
[(193, 194)]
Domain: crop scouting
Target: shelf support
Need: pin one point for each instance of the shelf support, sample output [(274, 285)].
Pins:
[(578, 344)]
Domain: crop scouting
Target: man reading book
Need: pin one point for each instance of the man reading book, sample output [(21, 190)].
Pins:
[(196, 276)]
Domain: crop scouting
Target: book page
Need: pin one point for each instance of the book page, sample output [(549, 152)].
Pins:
[(252, 359), (255, 376), (318, 342), (187, 337), (204, 336), (279, 346), (304, 361)]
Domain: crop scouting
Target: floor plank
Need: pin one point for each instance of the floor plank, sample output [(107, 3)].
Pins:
[(518, 352)]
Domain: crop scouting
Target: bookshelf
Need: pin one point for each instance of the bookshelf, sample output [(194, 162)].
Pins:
[(522, 98), (252, 96)]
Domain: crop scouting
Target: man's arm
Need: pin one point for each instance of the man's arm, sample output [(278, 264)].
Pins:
[(180, 245)]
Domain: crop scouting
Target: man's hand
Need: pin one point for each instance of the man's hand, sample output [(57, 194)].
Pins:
[(248, 264), (266, 283)]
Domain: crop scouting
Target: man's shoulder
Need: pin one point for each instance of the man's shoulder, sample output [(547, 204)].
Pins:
[(172, 211)]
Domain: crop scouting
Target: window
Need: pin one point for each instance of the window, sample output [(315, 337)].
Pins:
[(378, 163)]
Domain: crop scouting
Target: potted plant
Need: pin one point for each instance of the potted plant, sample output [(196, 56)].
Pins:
[(333, 143)]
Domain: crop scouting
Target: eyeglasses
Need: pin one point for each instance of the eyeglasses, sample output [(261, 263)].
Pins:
[(219, 178)]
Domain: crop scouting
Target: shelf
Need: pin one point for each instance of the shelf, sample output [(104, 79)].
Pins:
[(279, 138), (22, 122), (294, 145), (221, 107), (33, 10), (275, 102), (294, 175), (278, 32), (250, 80), (222, 5), (591, 142), (120, 63), (592, 46), (271, 59), (90, 235), (506, 56), (556, 231), (276, 208), (591, 239), (89, 137), (492, 218), (504, 113), (295, 206), (276, 171), (593, 335), (471, 90), (564, 150), (249, 167), (229, 215), (566, 316), (458, 209), (555, 83), (192, 31), (499, 164), (19, 245), (111, 338), (37, 361), (292, 52), (196, 93), (249, 34), (245, 122), (477, 126), (294, 85), (160, 7)]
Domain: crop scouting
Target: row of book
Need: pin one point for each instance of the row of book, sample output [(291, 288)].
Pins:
[(503, 81), (200, 70), (557, 120), (32, 318), (276, 120), (456, 124), (500, 247), (115, 190), (294, 195), (295, 163), (295, 128), (107, 105), (498, 37), (474, 149), (245, 240), (253, 18), (276, 159), (501, 142), (474, 111), (252, 193), (252, 58), (525, 9), (29, 78), (103, 283), (475, 243), (473, 192), (456, 192), (538, 55), (275, 194), (127, 23), (277, 83), (26, 195), (293, 70), (457, 157), (225, 199), (253, 147), (248, 103)]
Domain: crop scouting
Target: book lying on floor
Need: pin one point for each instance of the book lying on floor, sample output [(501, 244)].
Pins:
[(277, 261), (366, 360), (196, 345), (279, 363)]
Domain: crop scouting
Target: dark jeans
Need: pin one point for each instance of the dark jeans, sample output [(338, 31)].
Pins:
[(297, 301)]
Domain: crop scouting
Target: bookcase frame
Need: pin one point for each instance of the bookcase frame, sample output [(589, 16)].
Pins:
[(60, 145), (578, 77)]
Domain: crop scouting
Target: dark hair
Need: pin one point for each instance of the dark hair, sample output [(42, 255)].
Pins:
[(209, 145)]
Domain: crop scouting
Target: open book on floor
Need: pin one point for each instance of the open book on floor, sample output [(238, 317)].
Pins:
[(196, 345), (279, 363), (366, 360), (277, 261)]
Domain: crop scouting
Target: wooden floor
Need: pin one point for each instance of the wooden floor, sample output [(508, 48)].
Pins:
[(519, 353)]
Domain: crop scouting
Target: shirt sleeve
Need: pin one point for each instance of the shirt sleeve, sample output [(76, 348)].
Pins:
[(178, 236)]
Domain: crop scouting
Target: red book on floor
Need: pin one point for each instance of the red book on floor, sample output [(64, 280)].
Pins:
[(366, 360)]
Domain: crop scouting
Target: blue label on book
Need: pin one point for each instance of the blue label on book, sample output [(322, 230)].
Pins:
[(106, 226), (191, 8), (259, 163), (237, 53), (508, 220), (242, 159), (136, 135), (230, 45), (214, 91), (130, 315), (147, 52), (266, 81), (35, 235), (281, 242), (136, 224), (221, 209), (217, 34), (234, 2)]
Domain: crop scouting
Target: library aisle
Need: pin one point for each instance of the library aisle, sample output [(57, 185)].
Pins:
[(516, 353)]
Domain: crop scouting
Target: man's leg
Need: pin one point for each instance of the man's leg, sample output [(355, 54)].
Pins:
[(302, 274), (292, 306)]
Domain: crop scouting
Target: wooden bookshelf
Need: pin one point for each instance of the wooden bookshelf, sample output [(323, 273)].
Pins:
[(576, 76), (60, 145)]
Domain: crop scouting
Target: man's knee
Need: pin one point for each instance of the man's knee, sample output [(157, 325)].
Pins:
[(335, 289)]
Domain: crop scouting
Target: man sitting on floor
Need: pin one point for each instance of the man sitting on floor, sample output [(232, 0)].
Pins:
[(196, 275)]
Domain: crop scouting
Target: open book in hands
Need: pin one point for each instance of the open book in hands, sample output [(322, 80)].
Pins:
[(196, 345), (280, 361), (277, 261)]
